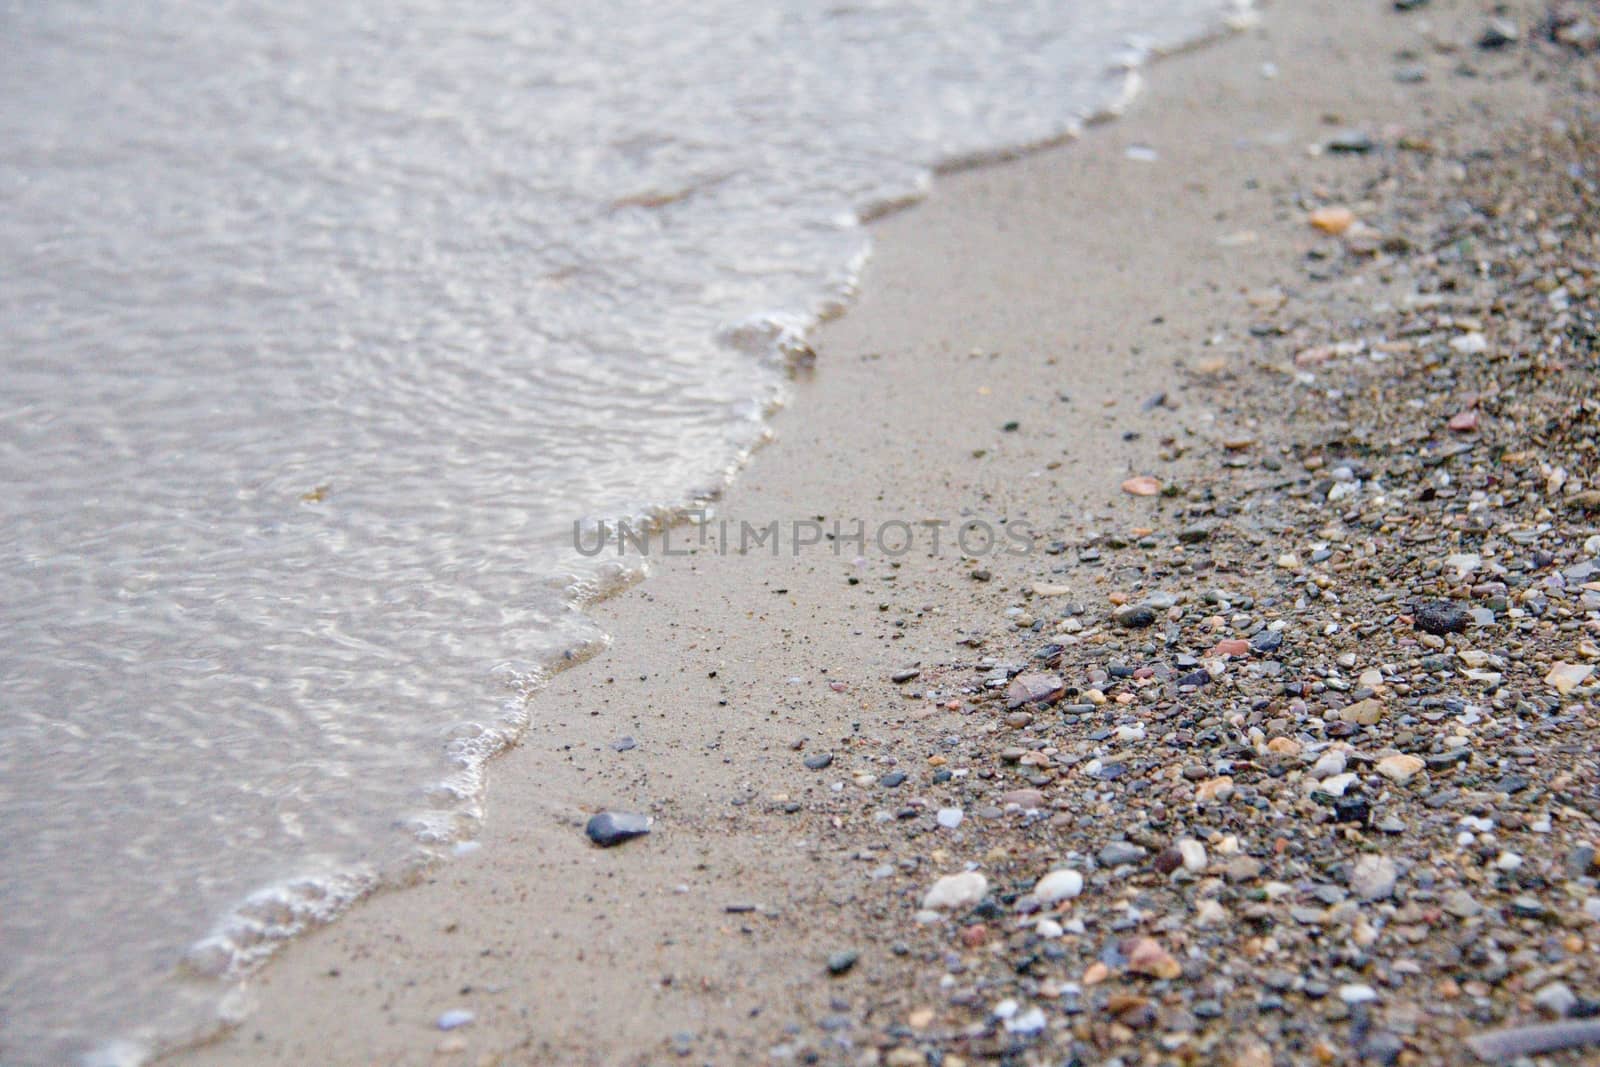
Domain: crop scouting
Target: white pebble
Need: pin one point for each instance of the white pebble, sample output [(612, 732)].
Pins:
[(1029, 1022), (1357, 994), (1329, 764), (1508, 861), (1194, 855), (1049, 929), (456, 1017), (1058, 885), (950, 818), (956, 891), (1336, 785)]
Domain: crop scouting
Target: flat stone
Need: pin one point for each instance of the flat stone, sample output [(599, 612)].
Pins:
[(1266, 641), (1026, 799), (1565, 677), (1367, 712), (1030, 688), (1350, 141), (819, 760), (1374, 877), (1400, 769), (1242, 869), (1120, 853), (610, 828)]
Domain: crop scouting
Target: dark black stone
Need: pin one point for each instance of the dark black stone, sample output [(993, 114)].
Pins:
[(614, 827), (840, 962), (1442, 617), (1135, 616), (1353, 141), (1266, 641), (1352, 807)]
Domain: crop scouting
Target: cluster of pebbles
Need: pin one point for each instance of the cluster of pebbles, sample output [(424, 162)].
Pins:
[(1306, 768)]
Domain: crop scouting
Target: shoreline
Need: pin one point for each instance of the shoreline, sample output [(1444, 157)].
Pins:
[(712, 935)]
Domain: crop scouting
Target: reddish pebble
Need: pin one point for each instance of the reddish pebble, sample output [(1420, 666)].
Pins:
[(1143, 485), (1233, 646), (1466, 422), (975, 936)]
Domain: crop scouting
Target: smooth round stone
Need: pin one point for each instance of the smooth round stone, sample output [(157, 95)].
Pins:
[(1058, 885)]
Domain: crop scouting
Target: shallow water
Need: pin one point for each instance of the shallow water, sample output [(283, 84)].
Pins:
[(319, 326)]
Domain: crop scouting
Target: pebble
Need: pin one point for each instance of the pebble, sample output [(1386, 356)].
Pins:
[(1367, 712), (1354, 993), (1120, 853), (1374, 877), (1555, 1000), (1026, 799), (1498, 33), (955, 891), (454, 1019), (1441, 617), (907, 675), (1329, 764), (843, 961), (1462, 904), (819, 761), (1142, 485), (950, 818), (1565, 677), (1352, 140), (1151, 960), (1031, 1021), (610, 828), (1134, 616), (1333, 220), (1194, 855), (1400, 769), (1058, 885), (1034, 689)]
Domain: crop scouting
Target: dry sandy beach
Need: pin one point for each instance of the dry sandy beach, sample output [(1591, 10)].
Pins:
[(1027, 340)]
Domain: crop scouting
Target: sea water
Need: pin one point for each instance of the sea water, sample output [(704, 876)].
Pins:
[(320, 324)]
